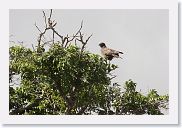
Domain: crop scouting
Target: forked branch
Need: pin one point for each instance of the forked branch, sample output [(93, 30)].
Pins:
[(65, 40)]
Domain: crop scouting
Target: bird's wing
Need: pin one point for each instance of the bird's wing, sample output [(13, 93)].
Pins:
[(115, 52), (107, 51), (110, 52)]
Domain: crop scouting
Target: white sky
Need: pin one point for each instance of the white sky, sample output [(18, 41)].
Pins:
[(141, 34)]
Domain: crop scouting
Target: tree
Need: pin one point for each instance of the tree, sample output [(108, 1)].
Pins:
[(133, 102), (65, 78)]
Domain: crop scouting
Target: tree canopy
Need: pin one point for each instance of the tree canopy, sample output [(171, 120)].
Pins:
[(65, 78)]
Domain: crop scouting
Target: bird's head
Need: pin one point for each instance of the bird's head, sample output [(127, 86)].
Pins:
[(102, 45)]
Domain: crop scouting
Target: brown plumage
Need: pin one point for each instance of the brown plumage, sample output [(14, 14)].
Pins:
[(109, 53)]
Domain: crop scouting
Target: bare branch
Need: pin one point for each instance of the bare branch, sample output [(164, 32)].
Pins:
[(74, 36), (83, 42), (40, 35), (45, 19), (33, 47), (50, 14), (57, 33), (65, 40), (88, 38), (53, 37), (46, 27), (37, 28), (75, 42)]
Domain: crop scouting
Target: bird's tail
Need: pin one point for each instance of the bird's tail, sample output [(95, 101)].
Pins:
[(121, 52)]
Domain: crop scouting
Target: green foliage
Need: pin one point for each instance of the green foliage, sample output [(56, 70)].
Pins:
[(133, 102), (65, 79), (71, 81)]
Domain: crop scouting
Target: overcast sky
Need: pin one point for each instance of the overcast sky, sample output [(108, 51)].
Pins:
[(142, 35)]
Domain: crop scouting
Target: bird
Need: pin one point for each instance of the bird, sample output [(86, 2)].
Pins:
[(108, 53)]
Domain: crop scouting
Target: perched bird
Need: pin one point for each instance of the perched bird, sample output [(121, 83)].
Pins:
[(109, 53)]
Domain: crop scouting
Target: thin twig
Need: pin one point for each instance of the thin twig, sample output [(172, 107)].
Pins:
[(88, 38), (45, 19), (74, 36), (53, 37), (57, 33), (65, 40), (37, 28), (41, 34), (33, 47), (84, 43), (50, 14)]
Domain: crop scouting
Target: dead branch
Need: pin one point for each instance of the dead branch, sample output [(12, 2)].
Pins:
[(50, 14), (65, 40), (74, 36), (41, 34), (53, 37), (82, 41), (37, 28), (33, 47), (45, 19), (57, 33)]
